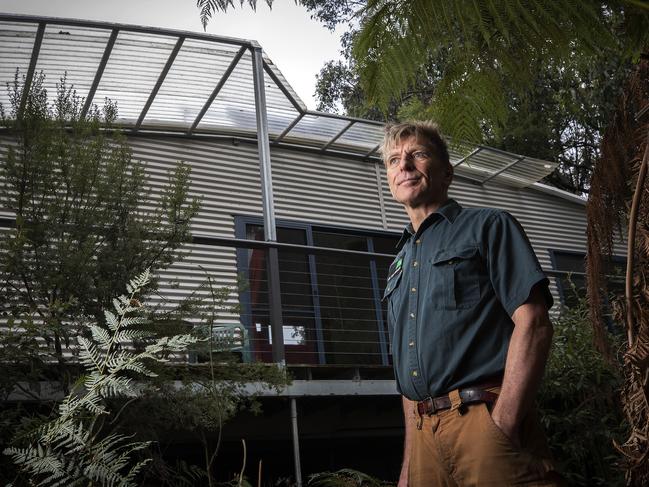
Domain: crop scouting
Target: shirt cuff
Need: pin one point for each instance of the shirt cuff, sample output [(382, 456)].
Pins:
[(526, 288)]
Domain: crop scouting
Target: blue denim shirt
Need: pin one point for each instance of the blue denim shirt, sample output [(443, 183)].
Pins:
[(451, 292)]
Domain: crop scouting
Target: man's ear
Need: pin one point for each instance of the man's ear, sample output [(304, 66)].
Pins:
[(449, 174)]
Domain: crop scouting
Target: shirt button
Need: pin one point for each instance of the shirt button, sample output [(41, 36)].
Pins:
[(418, 241), (414, 289), (414, 373), (414, 264), (411, 344), (412, 315)]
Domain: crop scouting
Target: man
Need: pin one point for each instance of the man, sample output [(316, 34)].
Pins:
[(470, 333)]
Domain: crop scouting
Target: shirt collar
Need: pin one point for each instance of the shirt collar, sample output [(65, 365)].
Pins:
[(449, 210)]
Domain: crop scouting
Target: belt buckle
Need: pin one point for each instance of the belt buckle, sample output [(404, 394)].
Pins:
[(432, 410)]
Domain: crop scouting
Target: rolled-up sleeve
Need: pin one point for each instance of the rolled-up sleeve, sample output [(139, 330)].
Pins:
[(513, 267)]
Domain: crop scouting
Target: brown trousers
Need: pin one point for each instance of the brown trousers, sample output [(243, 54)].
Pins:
[(468, 449)]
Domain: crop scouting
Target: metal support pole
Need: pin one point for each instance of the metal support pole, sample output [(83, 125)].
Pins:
[(270, 232), (296, 443)]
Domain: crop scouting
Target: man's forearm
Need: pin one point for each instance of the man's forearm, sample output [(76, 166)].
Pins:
[(526, 357), (410, 424)]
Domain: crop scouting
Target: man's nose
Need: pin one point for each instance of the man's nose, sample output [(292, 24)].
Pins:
[(405, 161)]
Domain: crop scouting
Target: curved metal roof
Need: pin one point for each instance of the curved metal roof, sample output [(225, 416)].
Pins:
[(198, 84)]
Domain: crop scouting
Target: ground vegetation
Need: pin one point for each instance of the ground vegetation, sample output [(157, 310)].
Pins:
[(82, 218)]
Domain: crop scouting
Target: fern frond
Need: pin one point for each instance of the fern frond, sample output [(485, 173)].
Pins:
[(37, 461), (134, 320), (111, 320), (117, 360), (93, 403), (138, 282), (100, 335), (69, 450), (71, 438), (116, 387), (135, 469), (127, 336), (176, 343), (88, 354), (117, 306), (397, 39), (139, 368)]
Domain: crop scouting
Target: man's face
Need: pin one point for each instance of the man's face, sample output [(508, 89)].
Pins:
[(415, 175)]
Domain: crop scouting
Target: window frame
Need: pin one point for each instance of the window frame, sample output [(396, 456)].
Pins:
[(618, 259), (241, 223)]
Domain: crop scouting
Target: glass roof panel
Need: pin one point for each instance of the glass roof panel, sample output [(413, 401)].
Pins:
[(195, 73), (234, 106), (317, 128), (137, 60), (362, 135), (16, 44), (526, 172), (132, 71), (458, 151), (492, 161), (74, 52)]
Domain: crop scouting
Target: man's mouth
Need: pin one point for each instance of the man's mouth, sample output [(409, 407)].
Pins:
[(409, 180)]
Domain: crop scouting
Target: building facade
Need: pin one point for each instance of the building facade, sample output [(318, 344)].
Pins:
[(294, 205)]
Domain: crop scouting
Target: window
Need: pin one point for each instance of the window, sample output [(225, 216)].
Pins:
[(572, 287), (331, 302)]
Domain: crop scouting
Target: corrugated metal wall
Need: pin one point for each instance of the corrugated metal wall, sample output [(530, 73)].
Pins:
[(225, 176), (317, 188), (320, 188)]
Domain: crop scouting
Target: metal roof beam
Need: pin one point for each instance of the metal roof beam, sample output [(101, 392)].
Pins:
[(374, 149), (161, 78), (283, 88), (466, 158), (224, 78), (343, 117), (507, 167), (126, 28), (295, 121), (100, 71), (338, 135), (38, 41)]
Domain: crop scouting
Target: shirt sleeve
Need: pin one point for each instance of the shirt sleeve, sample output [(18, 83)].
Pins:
[(513, 267)]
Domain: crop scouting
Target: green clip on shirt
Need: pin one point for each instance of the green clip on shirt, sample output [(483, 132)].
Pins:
[(451, 292)]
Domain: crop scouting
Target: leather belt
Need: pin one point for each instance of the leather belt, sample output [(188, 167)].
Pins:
[(468, 395)]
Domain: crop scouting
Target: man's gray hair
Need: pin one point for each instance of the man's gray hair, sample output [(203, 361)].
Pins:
[(423, 130)]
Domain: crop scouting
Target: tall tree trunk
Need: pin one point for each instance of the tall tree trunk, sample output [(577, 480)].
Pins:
[(620, 199)]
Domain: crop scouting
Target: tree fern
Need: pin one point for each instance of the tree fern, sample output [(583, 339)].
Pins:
[(209, 7), (491, 45), (72, 449)]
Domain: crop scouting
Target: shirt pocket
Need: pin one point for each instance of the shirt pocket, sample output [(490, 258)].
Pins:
[(454, 278)]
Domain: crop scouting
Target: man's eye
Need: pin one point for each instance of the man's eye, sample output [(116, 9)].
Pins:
[(419, 155), (393, 161)]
